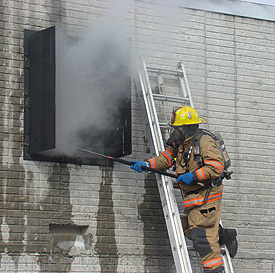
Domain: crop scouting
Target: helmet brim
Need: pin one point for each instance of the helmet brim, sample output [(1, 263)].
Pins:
[(201, 120)]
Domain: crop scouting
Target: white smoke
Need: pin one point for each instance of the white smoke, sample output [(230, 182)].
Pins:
[(90, 76)]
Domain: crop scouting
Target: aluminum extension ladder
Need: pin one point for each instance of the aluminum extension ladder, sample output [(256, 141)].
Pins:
[(157, 101)]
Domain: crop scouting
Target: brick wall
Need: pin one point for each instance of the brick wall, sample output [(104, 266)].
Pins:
[(112, 217)]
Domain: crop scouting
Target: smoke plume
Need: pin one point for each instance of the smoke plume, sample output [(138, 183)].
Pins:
[(91, 72)]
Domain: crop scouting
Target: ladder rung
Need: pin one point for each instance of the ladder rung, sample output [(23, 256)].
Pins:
[(223, 250), (165, 70), (190, 248), (170, 98), (164, 125)]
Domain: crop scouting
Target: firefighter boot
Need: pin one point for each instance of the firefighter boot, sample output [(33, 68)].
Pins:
[(228, 237)]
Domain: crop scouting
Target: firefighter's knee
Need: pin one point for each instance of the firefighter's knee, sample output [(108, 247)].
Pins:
[(200, 242)]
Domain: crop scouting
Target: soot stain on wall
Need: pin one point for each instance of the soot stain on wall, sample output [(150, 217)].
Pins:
[(106, 246), (156, 241), (59, 212), (12, 181)]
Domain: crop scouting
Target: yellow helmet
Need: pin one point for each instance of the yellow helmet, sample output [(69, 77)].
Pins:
[(185, 115)]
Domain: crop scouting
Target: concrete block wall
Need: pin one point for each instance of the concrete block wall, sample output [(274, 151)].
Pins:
[(71, 218)]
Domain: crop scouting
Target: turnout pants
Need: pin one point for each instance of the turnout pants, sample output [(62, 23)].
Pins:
[(201, 225)]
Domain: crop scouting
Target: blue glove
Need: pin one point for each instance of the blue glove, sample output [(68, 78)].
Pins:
[(137, 165), (186, 178)]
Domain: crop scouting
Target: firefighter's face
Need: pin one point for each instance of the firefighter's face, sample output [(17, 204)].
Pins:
[(180, 133), (188, 130), (183, 131), (180, 129), (177, 135)]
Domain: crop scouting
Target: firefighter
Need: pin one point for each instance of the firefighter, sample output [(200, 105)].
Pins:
[(202, 189)]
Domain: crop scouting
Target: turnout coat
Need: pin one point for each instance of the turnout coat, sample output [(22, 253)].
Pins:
[(183, 158)]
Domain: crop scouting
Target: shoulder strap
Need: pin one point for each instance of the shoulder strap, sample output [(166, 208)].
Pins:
[(198, 158), (196, 145)]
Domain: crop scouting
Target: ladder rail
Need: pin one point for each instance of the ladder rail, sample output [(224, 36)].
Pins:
[(180, 247), (184, 83), (147, 92), (228, 268), (227, 262)]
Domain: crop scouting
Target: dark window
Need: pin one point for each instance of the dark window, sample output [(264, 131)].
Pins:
[(76, 99)]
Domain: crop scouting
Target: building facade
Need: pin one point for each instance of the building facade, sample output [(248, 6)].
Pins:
[(63, 217)]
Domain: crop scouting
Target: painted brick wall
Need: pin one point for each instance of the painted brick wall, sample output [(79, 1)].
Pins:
[(119, 225)]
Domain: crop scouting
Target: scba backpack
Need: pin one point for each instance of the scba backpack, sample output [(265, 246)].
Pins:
[(218, 138)]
